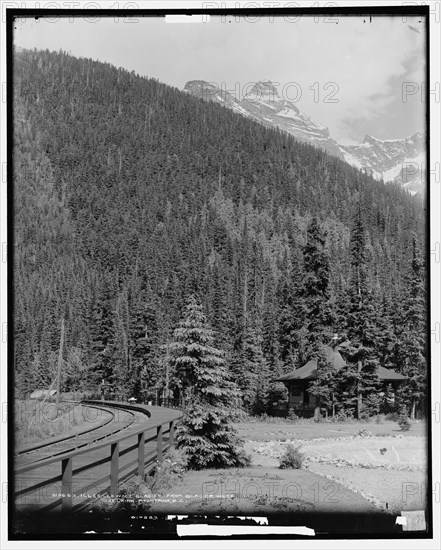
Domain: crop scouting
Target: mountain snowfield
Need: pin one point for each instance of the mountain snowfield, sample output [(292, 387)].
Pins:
[(396, 160)]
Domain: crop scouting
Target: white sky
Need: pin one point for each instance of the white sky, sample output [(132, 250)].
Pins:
[(365, 63)]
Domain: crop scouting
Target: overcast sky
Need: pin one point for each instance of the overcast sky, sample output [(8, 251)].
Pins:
[(350, 71)]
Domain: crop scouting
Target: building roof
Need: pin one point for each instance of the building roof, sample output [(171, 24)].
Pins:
[(389, 374), (309, 370), (37, 394)]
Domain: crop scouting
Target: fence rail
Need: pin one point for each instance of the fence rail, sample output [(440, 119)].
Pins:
[(141, 465)]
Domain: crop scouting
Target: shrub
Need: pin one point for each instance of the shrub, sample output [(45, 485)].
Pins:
[(394, 416), (379, 419), (129, 499), (344, 415), (168, 472), (292, 415), (132, 494), (292, 458)]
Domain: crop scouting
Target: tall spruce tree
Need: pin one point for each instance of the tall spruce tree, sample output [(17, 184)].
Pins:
[(292, 337), (205, 432), (316, 286), (413, 341), (359, 379), (318, 314), (144, 349)]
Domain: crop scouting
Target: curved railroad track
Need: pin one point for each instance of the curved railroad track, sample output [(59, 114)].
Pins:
[(71, 472), (118, 419)]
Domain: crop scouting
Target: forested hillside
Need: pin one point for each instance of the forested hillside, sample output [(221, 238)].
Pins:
[(130, 196)]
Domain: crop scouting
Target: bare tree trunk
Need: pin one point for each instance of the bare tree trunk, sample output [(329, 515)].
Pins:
[(359, 396)]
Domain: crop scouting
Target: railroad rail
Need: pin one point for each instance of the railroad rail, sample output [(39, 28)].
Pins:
[(76, 475), (63, 444)]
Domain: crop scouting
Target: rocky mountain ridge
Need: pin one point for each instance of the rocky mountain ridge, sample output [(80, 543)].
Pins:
[(398, 160)]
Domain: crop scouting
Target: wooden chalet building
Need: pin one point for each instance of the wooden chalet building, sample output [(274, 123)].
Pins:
[(297, 382)]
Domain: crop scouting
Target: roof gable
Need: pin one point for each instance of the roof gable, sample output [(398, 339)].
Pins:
[(389, 374), (38, 394), (309, 370)]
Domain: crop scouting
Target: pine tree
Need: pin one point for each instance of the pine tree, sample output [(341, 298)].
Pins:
[(205, 432), (101, 331), (414, 334), (251, 371), (292, 335), (192, 349), (144, 349), (325, 383), (316, 296), (360, 377), (222, 321), (316, 286), (386, 338)]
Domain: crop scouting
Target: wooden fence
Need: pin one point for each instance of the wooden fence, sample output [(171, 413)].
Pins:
[(143, 464)]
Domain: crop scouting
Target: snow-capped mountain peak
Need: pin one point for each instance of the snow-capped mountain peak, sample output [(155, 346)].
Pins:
[(263, 90), (397, 160), (391, 160)]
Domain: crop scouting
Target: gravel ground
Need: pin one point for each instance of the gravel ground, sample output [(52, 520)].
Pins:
[(389, 471), (256, 491), (308, 429), (391, 490)]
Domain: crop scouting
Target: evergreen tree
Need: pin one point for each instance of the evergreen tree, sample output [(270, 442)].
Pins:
[(292, 335), (316, 296), (144, 349), (316, 286), (414, 335), (101, 332), (252, 372), (323, 387), (205, 432), (360, 376), (192, 351), (386, 338)]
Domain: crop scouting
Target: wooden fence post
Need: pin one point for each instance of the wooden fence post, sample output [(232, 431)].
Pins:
[(66, 484), (114, 466), (141, 452), (172, 434), (159, 443)]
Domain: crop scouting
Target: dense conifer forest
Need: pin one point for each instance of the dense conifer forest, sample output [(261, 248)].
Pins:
[(133, 199)]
